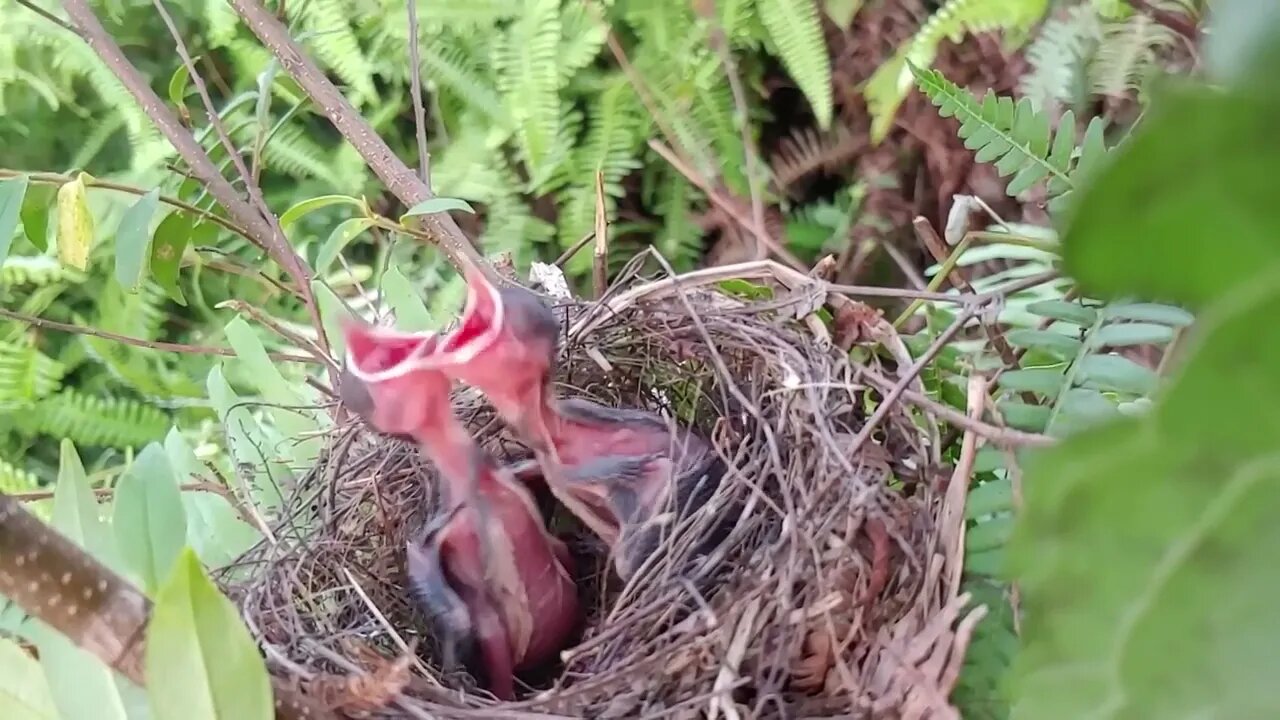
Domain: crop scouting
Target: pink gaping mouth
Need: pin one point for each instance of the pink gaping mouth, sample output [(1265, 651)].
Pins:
[(481, 322), (376, 354)]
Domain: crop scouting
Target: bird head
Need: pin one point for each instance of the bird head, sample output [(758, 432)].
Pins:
[(505, 346), (393, 384)]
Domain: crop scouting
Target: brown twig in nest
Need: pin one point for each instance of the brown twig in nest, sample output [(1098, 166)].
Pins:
[(830, 597)]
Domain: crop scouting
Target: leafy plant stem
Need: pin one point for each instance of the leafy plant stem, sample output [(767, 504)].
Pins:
[(1069, 378)]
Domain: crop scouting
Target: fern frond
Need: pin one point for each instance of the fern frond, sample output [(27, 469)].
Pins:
[(889, 84), (450, 64), (26, 374), (530, 82), (1059, 56), (96, 421), (1017, 138), (581, 37), (14, 479), (293, 152), (796, 32), (1127, 54), (36, 271), (335, 44), (1075, 371)]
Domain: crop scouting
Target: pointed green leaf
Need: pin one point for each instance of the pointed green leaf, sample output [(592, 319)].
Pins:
[(133, 242), (1048, 340), (1026, 178), (332, 312), (346, 231), (1065, 311), (201, 662), (989, 534), (411, 312), (214, 529), (437, 205), (24, 694), (81, 686), (1043, 381), (1150, 312), (1126, 334), (149, 520), (1113, 372), (989, 498), (12, 193), (290, 216), (35, 214), (1020, 415), (170, 242), (76, 512), (178, 85)]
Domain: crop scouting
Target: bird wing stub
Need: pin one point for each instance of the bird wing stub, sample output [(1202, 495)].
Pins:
[(432, 590)]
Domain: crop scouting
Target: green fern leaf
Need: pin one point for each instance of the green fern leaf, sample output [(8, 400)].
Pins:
[(14, 479), (1016, 137), (26, 375), (336, 45), (89, 420), (530, 83), (795, 30), (889, 84)]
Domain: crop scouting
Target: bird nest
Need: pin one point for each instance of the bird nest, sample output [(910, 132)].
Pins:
[(835, 592)]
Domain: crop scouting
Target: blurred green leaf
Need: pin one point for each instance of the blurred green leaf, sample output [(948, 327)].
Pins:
[(214, 529), (437, 205), (24, 694), (1055, 342), (170, 242), (988, 498), (1020, 415), (81, 686), (201, 662), (76, 512), (1127, 334), (35, 214), (1149, 312), (1113, 372), (12, 193), (1044, 381), (149, 520), (133, 242), (411, 312), (338, 240), (293, 214), (1065, 311)]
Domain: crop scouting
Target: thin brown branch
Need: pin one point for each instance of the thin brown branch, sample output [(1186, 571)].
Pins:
[(139, 342), (398, 177), (600, 258), (573, 249), (415, 91), (99, 611), (47, 15), (284, 252)]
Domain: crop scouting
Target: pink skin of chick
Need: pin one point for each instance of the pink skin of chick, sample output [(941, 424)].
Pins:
[(610, 467), (487, 566)]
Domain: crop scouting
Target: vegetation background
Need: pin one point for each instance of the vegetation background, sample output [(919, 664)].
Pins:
[(147, 330)]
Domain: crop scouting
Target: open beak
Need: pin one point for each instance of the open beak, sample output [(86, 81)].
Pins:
[(386, 373)]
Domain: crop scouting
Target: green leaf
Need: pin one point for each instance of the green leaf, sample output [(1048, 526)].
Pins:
[(149, 519), (989, 498), (76, 512), (1149, 312), (133, 241), (842, 12), (989, 534), (1174, 616), (75, 224), (332, 312), (214, 529), (24, 694), (201, 662), (411, 312), (1113, 372), (81, 686), (1020, 415), (1044, 381), (1064, 311), (293, 214), (346, 231), (1055, 342), (437, 205), (796, 32), (1126, 334), (167, 247), (35, 214), (178, 85), (12, 193), (1200, 169)]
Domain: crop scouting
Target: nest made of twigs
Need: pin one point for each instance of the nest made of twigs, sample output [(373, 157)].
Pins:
[(835, 594)]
